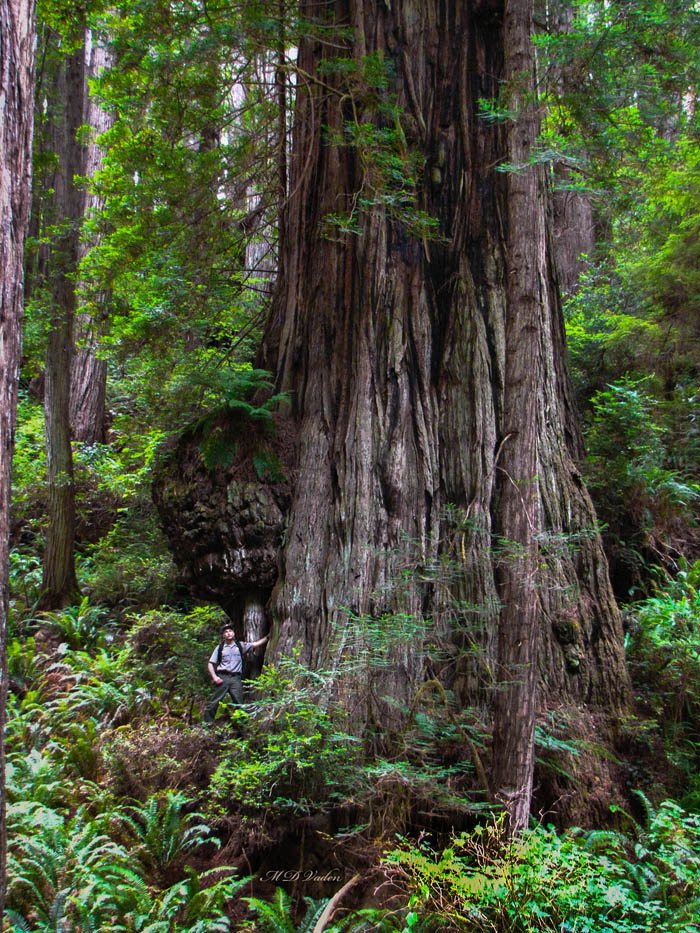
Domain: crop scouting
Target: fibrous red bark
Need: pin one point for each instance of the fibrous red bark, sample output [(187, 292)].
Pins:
[(17, 37)]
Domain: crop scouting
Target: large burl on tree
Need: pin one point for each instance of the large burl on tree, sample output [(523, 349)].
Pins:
[(222, 490)]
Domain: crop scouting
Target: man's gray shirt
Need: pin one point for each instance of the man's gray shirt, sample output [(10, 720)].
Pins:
[(231, 661)]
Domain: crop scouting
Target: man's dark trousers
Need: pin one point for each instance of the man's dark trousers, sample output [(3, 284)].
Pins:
[(231, 684)]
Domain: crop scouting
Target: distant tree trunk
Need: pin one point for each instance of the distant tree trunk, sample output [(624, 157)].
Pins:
[(60, 585), (574, 230), (429, 387), (573, 222), (17, 38), (88, 370)]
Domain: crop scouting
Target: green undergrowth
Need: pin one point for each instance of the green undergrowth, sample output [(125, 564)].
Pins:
[(643, 471), (139, 805), (646, 878), (663, 649)]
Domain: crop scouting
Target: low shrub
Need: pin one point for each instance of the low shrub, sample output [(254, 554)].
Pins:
[(645, 491), (663, 648), (170, 649), (147, 758), (290, 755), (71, 875), (588, 882)]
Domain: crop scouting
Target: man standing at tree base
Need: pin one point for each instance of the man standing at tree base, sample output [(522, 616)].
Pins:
[(226, 669)]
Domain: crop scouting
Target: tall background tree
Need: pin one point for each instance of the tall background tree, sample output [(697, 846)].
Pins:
[(622, 131), (17, 46), (88, 383), (67, 102)]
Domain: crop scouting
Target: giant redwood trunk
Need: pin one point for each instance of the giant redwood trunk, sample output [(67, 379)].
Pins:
[(17, 37), (435, 473)]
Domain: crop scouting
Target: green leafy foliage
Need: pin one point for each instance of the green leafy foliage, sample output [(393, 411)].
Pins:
[(278, 915), (25, 572), (102, 688), (247, 395), (130, 567), (184, 241), (619, 75), (165, 649), (544, 881), (663, 646), (80, 626), (619, 72), (67, 874), (162, 833), (29, 461), (22, 665), (291, 756), (645, 502), (78, 859)]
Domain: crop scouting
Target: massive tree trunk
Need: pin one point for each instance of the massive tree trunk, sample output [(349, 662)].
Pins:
[(17, 36), (428, 379), (88, 369), (59, 584)]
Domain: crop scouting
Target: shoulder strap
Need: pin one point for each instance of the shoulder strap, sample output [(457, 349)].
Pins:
[(220, 651)]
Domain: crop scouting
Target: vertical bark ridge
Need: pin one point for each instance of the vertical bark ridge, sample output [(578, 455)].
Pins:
[(518, 507)]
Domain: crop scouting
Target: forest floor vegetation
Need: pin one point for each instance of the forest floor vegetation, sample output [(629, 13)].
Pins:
[(149, 822)]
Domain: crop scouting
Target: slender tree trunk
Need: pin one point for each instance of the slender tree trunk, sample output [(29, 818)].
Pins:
[(573, 221), (17, 47), (518, 508), (88, 370), (59, 583), (281, 85), (435, 472)]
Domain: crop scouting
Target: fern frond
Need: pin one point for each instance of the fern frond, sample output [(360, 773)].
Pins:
[(314, 909), (649, 811), (275, 916), (17, 922)]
